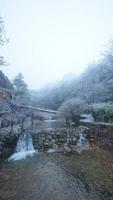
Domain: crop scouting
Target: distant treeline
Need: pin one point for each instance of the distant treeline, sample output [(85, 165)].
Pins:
[(93, 86), (77, 95)]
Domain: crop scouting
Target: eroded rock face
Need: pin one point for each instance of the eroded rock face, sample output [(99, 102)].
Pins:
[(7, 142), (4, 82)]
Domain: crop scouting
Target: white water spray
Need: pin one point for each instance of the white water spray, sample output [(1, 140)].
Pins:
[(81, 140), (24, 148), (82, 143)]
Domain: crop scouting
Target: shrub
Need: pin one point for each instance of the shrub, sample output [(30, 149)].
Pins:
[(72, 109), (102, 112)]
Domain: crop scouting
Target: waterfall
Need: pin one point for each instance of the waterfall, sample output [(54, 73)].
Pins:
[(24, 143), (51, 150), (68, 137), (82, 143), (24, 148), (81, 140)]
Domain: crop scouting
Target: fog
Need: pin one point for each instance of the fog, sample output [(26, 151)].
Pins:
[(56, 97), (50, 39)]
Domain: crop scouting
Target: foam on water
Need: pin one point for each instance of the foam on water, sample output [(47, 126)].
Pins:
[(21, 155), (51, 151), (82, 143), (81, 140), (24, 148)]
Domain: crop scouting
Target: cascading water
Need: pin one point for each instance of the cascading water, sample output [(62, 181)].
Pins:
[(82, 143), (68, 137), (24, 143), (81, 140), (51, 150), (24, 148)]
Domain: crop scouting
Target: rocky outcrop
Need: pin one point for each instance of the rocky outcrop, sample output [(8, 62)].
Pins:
[(8, 142), (6, 95), (4, 82)]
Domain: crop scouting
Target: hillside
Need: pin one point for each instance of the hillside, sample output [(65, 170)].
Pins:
[(94, 85)]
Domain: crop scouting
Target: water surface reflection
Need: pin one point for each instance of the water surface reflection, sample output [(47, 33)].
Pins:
[(59, 177)]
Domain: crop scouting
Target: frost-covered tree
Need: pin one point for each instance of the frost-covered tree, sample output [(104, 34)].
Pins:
[(21, 90), (3, 40), (102, 112), (20, 86), (72, 109), (93, 86)]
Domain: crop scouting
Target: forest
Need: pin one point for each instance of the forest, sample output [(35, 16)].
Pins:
[(92, 89)]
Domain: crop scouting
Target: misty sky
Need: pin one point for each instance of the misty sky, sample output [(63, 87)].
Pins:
[(51, 38)]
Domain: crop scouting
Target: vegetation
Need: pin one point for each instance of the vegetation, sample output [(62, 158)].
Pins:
[(72, 109), (3, 40), (94, 86), (21, 91), (102, 112), (19, 85), (72, 97)]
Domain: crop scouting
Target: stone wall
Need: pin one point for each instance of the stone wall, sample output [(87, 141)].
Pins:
[(43, 140), (53, 138), (101, 134)]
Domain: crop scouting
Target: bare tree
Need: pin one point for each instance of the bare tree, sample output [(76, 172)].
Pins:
[(73, 108), (3, 40)]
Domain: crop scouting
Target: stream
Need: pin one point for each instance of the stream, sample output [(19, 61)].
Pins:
[(59, 176)]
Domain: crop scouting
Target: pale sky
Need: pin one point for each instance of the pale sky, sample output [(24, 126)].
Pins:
[(51, 38)]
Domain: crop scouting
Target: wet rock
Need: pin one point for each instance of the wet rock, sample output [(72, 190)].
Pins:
[(92, 140), (55, 146), (67, 148), (49, 137), (41, 138), (62, 140), (7, 146)]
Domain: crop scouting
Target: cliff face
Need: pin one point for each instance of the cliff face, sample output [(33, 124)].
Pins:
[(4, 82)]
